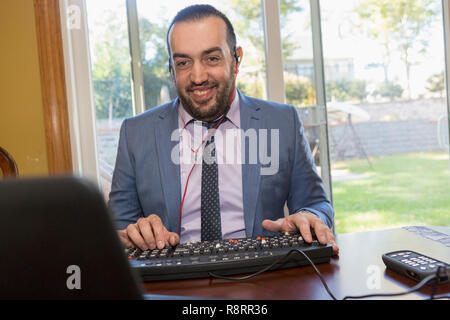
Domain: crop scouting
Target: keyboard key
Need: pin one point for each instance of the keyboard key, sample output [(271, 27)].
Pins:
[(232, 251)]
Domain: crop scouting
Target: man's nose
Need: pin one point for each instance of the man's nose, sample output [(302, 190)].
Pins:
[(199, 73)]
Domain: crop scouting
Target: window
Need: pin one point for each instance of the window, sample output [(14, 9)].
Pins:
[(111, 76), (297, 46), (367, 76), (385, 98)]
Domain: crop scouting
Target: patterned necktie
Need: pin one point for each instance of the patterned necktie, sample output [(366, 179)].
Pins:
[(211, 228)]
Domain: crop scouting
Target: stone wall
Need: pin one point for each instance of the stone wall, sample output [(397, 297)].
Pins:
[(382, 138), (393, 128)]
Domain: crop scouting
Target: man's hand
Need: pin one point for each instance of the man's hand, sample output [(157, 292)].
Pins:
[(303, 221), (148, 233)]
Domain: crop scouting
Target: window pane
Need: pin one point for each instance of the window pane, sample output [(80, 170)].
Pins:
[(296, 39), (110, 63), (154, 20), (298, 65), (386, 104)]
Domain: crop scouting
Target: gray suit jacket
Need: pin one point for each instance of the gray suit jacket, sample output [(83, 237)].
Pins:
[(146, 180)]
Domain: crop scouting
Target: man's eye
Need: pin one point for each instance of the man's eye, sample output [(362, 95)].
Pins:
[(182, 63), (213, 59)]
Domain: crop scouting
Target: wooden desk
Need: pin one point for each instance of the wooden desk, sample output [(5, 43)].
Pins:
[(347, 275)]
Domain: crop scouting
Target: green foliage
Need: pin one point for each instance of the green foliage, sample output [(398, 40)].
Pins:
[(155, 68), (249, 88), (436, 83), (389, 90), (112, 97), (404, 24), (346, 90), (111, 72), (250, 25), (111, 68), (299, 93), (358, 90)]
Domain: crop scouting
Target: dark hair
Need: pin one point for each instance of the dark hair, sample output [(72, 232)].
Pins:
[(198, 12)]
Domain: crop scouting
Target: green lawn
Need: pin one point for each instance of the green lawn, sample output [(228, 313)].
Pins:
[(401, 190)]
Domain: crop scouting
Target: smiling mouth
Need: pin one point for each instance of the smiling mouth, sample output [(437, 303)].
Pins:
[(202, 94)]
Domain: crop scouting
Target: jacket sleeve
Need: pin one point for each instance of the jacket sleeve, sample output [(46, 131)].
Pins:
[(307, 191), (123, 199)]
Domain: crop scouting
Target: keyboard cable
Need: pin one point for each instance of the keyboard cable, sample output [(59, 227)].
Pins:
[(413, 289), (273, 264)]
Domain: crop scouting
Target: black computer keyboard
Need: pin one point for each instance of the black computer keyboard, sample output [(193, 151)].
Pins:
[(226, 257)]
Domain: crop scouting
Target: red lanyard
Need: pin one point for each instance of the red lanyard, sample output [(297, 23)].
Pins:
[(195, 161)]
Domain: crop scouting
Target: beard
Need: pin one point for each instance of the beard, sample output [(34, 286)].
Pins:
[(221, 104)]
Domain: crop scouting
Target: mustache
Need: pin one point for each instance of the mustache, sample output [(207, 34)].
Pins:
[(204, 85)]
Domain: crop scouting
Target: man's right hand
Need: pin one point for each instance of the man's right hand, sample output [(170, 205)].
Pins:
[(148, 233)]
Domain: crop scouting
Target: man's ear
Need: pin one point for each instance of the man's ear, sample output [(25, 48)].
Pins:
[(239, 53)]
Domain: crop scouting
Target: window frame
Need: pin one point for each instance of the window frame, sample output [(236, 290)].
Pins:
[(79, 89), (53, 81), (79, 85)]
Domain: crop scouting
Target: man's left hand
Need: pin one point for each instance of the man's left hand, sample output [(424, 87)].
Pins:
[(303, 222)]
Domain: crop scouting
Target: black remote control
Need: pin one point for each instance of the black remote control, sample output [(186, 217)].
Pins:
[(416, 266)]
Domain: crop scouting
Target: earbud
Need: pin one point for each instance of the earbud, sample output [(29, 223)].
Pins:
[(236, 56)]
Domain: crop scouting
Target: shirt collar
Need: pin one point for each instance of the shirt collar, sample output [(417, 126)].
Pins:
[(233, 114)]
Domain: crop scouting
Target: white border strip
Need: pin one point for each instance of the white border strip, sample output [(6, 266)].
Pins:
[(79, 88)]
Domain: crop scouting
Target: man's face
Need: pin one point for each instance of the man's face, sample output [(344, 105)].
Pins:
[(204, 67)]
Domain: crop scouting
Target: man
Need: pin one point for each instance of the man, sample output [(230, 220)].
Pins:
[(156, 198)]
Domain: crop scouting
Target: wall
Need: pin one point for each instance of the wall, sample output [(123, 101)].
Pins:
[(383, 138), (393, 128), (22, 131)]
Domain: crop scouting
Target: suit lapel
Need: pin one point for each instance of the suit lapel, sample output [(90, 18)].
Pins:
[(170, 170), (250, 120)]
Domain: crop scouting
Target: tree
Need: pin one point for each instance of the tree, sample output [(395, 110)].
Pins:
[(403, 23), (299, 91), (358, 90), (249, 25), (389, 90), (155, 68), (345, 90), (436, 83), (374, 24), (111, 67)]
